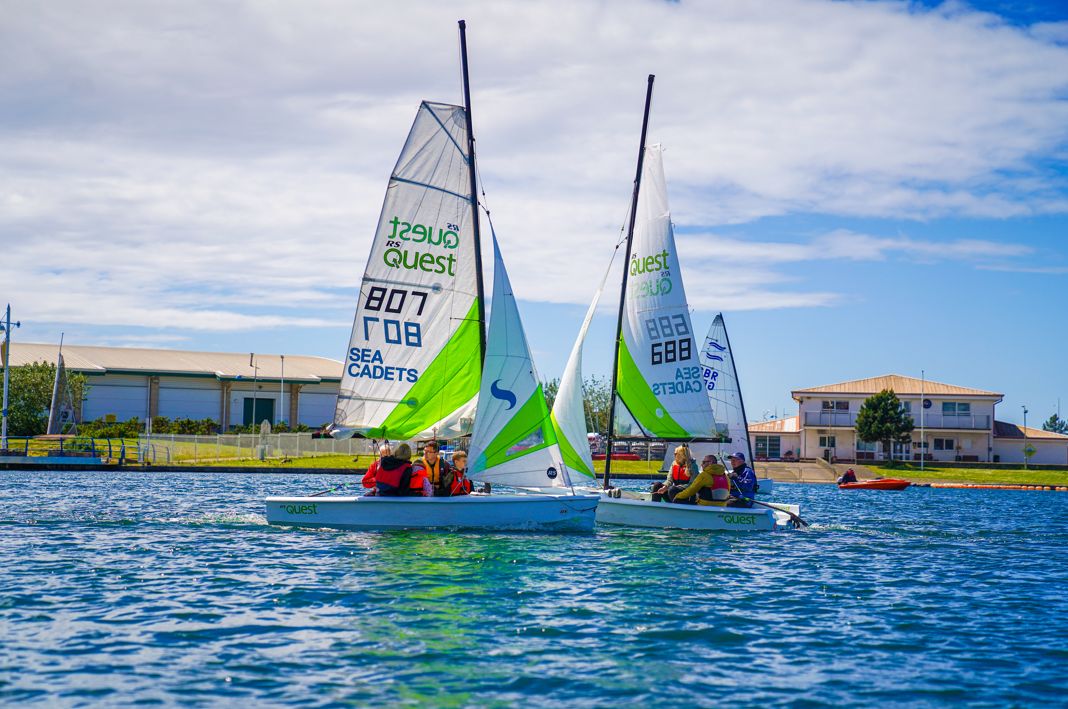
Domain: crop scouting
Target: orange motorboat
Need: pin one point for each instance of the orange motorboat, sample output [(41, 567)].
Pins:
[(879, 484)]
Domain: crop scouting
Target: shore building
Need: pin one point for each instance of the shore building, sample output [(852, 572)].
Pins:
[(959, 424), (129, 382)]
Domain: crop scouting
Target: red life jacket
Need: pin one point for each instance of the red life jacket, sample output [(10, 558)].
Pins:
[(460, 484), (680, 473), (415, 485), (394, 477)]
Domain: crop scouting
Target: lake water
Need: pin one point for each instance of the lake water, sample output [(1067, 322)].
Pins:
[(123, 588)]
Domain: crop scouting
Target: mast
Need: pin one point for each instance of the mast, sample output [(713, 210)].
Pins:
[(623, 285), (741, 399), (474, 196)]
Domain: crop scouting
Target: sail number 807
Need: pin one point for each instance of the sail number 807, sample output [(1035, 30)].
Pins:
[(392, 300)]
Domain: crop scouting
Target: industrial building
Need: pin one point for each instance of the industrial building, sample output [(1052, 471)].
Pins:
[(231, 388)]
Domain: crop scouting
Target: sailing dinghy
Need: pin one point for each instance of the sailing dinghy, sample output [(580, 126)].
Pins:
[(419, 365), (720, 376), (657, 384)]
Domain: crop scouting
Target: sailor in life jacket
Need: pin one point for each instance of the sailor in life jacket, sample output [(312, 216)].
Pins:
[(372, 471), (678, 477), (394, 475), (456, 481), (710, 487), (433, 467)]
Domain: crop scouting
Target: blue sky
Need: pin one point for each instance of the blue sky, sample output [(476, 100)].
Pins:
[(861, 187)]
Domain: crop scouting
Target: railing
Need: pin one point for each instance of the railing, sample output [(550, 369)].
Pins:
[(970, 422), (830, 418), (174, 448)]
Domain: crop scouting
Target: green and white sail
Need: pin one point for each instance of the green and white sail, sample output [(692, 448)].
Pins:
[(514, 442), (412, 364), (659, 378), (569, 410)]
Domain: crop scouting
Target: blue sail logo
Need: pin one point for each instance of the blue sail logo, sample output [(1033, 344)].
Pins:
[(503, 395)]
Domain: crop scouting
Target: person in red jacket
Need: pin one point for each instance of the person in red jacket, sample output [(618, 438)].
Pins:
[(372, 471), (394, 475)]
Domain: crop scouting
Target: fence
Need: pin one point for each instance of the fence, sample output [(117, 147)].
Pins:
[(173, 448)]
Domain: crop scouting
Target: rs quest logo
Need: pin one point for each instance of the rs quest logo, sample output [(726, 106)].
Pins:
[(399, 255)]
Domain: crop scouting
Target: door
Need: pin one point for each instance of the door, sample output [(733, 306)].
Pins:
[(264, 411)]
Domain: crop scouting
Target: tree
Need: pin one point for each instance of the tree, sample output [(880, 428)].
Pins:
[(1056, 424), (550, 389), (30, 396), (595, 398), (882, 418)]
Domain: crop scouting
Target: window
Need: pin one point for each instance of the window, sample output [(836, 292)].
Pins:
[(769, 446), (918, 444), (906, 406), (956, 408), (943, 444), (867, 446), (835, 406), (827, 442)]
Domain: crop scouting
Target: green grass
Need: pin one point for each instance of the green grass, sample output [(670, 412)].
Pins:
[(1000, 476)]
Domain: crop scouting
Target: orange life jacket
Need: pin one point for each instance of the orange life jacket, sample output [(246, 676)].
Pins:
[(394, 477), (433, 472), (680, 473)]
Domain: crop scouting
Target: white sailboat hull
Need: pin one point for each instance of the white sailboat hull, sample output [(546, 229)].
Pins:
[(573, 513), (665, 515)]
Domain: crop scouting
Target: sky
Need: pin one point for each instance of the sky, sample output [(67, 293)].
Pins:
[(861, 188)]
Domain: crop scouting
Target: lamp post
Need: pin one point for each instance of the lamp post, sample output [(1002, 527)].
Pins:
[(255, 383), (6, 327), (1025, 436), (282, 391)]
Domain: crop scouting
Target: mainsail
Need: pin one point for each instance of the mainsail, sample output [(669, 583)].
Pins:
[(514, 442), (658, 378), (724, 392), (412, 364), (61, 411)]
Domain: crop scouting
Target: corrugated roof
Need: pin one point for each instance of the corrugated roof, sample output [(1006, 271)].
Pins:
[(222, 365), (1003, 429), (899, 383), (783, 425)]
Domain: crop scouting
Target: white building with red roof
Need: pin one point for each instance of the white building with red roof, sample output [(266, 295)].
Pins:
[(953, 423)]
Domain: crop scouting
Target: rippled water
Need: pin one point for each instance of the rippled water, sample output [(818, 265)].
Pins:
[(124, 588)]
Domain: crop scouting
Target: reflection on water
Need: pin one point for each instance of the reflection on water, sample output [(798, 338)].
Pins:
[(170, 588)]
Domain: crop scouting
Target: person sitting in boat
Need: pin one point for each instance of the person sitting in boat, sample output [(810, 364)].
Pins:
[(394, 475), (678, 477), (372, 470), (743, 480), (710, 487), (847, 477), (455, 480), (433, 467)]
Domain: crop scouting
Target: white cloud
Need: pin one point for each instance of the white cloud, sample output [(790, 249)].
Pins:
[(217, 166)]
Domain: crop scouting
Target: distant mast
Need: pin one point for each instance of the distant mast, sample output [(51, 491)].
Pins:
[(623, 286)]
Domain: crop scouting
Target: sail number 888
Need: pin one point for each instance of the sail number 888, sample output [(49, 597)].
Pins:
[(671, 339)]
